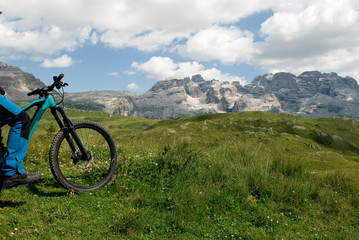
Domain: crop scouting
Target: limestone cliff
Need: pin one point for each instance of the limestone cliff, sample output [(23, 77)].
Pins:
[(310, 94), (16, 82)]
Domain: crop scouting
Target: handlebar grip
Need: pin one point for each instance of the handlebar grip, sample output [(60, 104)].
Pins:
[(34, 92), (61, 76), (58, 78), (31, 93)]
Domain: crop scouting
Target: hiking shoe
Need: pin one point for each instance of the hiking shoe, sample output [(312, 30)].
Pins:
[(20, 179)]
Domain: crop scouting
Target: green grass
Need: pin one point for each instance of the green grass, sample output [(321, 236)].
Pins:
[(249, 175)]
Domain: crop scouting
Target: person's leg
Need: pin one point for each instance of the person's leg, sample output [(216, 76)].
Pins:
[(12, 171), (16, 149), (17, 142)]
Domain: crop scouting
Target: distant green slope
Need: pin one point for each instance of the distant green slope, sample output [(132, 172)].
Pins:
[(325, 144)]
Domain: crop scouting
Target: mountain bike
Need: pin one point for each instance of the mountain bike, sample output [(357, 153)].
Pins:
[(83, 154)]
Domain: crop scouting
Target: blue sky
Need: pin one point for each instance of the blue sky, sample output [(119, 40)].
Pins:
[(131, 44)]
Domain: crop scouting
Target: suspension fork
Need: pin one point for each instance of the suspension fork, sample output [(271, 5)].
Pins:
[(70, 134)]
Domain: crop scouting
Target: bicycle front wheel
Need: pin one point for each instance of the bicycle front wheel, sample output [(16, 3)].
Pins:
[(84, 175)]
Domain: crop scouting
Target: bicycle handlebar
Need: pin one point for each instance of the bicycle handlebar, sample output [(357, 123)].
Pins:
[(43, 91), (58, 78), (36, 91)]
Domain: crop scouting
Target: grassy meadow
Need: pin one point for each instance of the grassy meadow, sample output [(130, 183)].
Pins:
[(249, 175)]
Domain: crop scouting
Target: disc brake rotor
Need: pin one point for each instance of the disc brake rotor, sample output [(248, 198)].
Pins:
[(83, 163)]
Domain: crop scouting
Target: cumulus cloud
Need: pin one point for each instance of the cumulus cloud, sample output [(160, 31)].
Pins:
[(43, 40), (229, 45), (320, 36), (47, 26), (63, 61), (160, 68), (133, 86), (300, 35)]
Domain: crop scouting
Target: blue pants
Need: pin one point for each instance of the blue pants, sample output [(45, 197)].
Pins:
[(17, 141)]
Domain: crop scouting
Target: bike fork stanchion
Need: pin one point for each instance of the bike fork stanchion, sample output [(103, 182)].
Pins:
[(69, 130)]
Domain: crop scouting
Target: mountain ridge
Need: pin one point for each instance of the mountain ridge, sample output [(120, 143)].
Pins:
[(311, 94), (17, 83)]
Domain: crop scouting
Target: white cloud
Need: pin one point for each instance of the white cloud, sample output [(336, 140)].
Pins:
[(229, 45), (160, 68), (304, 34), (157, 67), (147, 41), (49, 26), (133, 86), (322, 35), (43, 40), (63, 61), (129, 72), (113, 74), (94, 38)]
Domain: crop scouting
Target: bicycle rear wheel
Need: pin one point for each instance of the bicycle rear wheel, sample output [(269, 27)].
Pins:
[(84, 175)]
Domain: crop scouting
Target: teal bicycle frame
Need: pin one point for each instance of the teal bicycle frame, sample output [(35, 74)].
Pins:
[(42, 104), (65, 125)]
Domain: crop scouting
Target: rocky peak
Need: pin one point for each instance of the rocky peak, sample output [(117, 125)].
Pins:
[(311, 74), (197, 78), (168, 84), (187, 83), (283, 80), (351, 83), (16, 82)]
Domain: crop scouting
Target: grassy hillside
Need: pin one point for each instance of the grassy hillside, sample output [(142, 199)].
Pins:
[(250, 175)]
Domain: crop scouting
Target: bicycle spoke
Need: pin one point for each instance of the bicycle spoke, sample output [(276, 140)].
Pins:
[(85, 173)]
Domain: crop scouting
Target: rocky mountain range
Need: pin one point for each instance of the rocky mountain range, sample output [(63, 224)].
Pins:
[(310, 94), (16, 82)]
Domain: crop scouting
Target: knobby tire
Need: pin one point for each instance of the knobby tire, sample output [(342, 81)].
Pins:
[(84, 175)]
